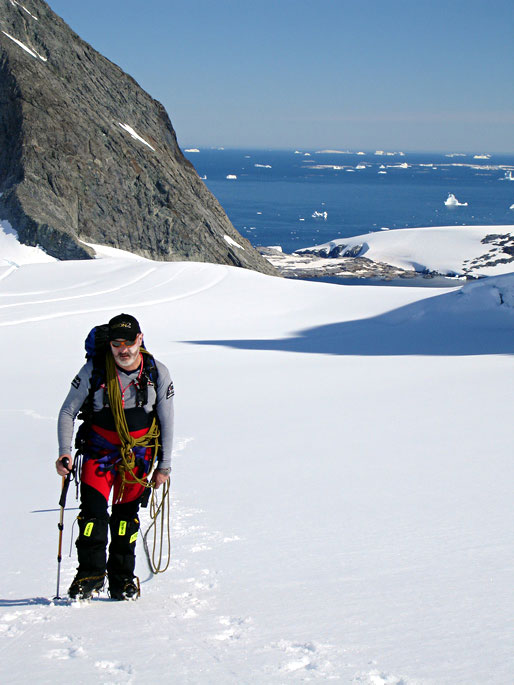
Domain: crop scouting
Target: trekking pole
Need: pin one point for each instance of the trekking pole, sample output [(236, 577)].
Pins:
[(60, 525)]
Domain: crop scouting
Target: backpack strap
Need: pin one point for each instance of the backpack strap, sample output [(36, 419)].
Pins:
[(148, 377)]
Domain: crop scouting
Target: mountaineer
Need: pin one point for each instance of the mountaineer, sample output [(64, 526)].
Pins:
[(125, 400)]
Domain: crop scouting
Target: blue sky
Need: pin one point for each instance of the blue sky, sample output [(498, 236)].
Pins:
[(339, 74)]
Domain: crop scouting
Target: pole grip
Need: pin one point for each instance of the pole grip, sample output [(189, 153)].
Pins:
[(65, 484)]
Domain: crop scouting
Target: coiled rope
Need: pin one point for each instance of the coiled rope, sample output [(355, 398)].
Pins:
[(159, 507), (127, 465), (160, 525)]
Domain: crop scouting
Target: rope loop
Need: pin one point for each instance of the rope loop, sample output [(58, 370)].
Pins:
[(159, 510)]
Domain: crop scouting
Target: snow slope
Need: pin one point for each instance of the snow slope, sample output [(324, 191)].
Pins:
[(341, 488), (445, 249), (13, 253)]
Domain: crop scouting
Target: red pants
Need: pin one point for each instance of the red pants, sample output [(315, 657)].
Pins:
[(103, 480)]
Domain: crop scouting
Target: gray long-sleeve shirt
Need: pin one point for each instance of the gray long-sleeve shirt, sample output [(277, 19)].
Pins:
[(160, 398)]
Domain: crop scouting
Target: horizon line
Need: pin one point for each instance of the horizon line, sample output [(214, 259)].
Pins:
[(300, 149)]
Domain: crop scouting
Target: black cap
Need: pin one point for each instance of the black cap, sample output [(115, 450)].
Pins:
[(123, 326)]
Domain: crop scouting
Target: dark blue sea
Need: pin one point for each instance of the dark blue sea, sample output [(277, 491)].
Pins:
[(300, 198)]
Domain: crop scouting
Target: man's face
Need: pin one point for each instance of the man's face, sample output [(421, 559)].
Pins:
[(126, 354)]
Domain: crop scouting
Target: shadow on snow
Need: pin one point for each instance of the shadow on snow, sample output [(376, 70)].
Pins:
[(451, 324)]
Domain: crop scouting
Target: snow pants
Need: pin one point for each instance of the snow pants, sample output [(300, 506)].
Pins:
[(98, 478)]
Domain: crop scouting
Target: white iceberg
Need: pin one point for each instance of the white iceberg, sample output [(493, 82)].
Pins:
[(231, 177), (451, 201)]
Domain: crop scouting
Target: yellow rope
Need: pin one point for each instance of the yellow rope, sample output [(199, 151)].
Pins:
[(160, 515), (128, 462)]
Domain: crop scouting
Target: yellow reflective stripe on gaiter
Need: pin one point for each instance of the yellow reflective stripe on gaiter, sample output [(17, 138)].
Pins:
[(123, 528), (88, 529), (133, 538)]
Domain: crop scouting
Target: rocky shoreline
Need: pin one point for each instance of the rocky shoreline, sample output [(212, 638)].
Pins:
[(312, 265), (345, 261)]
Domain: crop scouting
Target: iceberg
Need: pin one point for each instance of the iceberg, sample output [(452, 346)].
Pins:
[(451, 201), (231, 177)]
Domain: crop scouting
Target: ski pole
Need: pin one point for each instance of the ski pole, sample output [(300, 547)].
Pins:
[(60, 525)]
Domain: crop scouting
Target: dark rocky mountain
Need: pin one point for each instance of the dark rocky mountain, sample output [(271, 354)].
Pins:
[(87, 155)]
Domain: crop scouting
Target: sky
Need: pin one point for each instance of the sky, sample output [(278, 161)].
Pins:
[(339, 74)]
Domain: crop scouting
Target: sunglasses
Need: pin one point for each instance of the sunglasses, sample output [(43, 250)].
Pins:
[(123, 343)]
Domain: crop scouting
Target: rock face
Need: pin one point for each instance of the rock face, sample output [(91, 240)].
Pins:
[(316, 263), (87, 155), (332, 253)]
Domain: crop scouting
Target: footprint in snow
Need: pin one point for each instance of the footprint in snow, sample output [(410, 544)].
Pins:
[(378, 678), (234, 628), (114, 668), (309, 657), (65, 653)]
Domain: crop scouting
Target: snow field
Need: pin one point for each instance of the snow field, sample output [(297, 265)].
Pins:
[(341, 500)]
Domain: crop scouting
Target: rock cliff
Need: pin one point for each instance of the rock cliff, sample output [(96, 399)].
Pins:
[(87, 156)]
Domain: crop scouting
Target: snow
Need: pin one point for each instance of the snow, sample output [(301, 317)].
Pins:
[(106, 251), (135, 135), (13, 253), (445, 249), (14, 3), (27, 49), (342, 504), (232, 242)]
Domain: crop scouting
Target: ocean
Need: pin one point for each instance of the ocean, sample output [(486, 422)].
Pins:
[(300, 198)]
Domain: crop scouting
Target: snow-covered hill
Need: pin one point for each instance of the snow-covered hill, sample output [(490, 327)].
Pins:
[(342, 506), (461, 250)]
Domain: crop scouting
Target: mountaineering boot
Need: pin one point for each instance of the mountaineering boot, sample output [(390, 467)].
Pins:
[(83, 587), (91, 551), (122, 550), (124, 588)]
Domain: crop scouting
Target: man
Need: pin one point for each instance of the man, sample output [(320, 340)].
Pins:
[(129, 423)]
